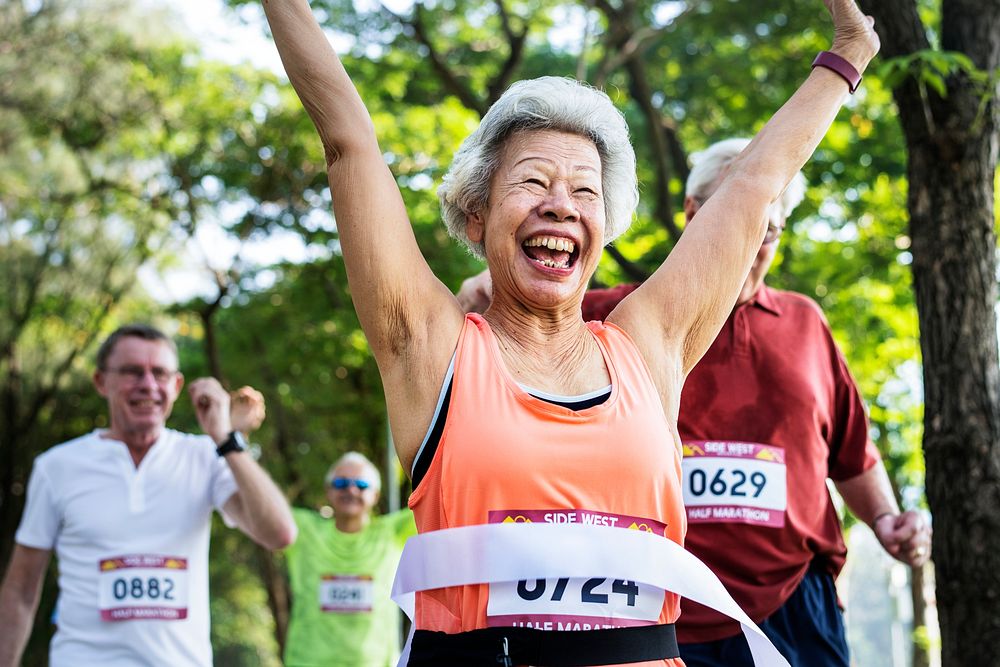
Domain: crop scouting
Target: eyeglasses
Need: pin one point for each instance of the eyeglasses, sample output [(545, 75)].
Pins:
[(136, 374), (342, 483), (773, 232)]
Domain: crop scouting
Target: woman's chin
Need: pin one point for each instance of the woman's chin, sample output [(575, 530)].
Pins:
[(549, 294)]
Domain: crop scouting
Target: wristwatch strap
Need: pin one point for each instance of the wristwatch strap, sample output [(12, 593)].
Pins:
[(234, 442), (835, 63)]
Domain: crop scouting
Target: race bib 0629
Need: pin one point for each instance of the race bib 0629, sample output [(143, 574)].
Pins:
[(143, 587), (734, 482), (572, 603)]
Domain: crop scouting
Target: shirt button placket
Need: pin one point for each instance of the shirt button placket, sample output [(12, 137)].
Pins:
[(741, 332)]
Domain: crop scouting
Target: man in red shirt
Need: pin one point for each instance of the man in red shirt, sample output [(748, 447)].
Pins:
[(767, 415)]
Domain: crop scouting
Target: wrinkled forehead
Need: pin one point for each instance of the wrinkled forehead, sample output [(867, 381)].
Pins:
[(354, 470), (132, 350), (573, 151)]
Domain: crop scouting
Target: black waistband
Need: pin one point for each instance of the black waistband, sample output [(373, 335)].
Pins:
[(526, 646)]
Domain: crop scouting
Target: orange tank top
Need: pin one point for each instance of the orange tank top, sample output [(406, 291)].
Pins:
[(505, 456)]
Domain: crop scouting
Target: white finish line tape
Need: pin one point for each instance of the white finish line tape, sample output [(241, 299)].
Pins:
[(492, 553)]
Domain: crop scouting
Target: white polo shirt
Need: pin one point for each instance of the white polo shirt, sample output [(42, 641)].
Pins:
[(132, 545)]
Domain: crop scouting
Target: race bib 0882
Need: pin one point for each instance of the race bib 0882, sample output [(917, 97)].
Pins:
[(734, 482), (143, 587), (571, 603)]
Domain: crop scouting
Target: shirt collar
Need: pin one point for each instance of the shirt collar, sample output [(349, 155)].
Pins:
[(765, 299)]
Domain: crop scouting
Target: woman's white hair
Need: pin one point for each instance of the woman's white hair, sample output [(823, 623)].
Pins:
[(708, 165), (546, 103), (356, 457)]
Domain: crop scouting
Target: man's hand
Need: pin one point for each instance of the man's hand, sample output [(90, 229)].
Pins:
[(906, 537), (211, 406), (476, 293), (246, 410)]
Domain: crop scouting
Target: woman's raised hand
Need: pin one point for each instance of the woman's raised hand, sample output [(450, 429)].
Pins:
[(854, 36)]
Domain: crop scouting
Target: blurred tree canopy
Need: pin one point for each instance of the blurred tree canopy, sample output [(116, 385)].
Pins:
[(116, 148)]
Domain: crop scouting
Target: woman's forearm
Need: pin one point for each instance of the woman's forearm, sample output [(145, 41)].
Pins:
[(789, 138), (319, 78)]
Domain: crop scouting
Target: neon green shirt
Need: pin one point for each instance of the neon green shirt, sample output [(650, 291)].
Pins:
[(341, 612)]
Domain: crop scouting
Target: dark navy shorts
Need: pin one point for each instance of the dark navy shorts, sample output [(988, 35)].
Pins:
[(808, 630)]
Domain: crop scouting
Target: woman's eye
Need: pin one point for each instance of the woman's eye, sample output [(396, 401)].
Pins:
[(534, 181)]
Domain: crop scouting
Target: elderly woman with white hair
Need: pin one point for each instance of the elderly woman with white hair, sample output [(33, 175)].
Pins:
[(548, 418)]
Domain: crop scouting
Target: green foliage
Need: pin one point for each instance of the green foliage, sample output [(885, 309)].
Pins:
[(78, 215), (936, 70), (242, 623), (932, 68)]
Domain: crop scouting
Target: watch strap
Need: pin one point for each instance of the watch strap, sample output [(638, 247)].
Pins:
[(234, 442), (841, 66)]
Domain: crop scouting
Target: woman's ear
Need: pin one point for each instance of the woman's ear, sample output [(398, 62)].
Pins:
[(691, 206), (475, 229)]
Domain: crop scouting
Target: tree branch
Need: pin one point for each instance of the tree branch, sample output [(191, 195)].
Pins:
[(451, 81), (659, 149), (515, 43), (633, 271)]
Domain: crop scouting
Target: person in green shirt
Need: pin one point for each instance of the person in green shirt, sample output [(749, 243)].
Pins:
[(341, 573)]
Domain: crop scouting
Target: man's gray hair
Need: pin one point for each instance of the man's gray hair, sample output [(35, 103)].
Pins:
[(709, 164), (356, 457), (546, 103), (142, 331)]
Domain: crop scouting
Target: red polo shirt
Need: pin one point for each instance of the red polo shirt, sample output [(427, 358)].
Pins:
[(773, 377)]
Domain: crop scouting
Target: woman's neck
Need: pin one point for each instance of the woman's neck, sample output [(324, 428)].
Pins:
[(553, 352)]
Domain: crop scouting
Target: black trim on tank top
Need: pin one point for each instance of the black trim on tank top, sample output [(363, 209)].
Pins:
[(426, 453)]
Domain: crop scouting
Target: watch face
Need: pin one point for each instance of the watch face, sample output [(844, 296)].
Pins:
[(240, 441)]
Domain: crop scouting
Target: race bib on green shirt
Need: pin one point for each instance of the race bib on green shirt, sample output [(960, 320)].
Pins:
[(346, 593)]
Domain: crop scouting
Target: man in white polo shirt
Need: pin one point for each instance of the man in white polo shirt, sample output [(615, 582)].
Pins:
[(127, 510)]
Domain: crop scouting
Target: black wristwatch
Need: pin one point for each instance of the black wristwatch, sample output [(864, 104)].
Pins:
[(234, 442)]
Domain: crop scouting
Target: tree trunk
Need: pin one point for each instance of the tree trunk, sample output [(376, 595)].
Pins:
[(11, 468), (207, 315), (954, 274), (277, 595), (952, 148), (918, 583)]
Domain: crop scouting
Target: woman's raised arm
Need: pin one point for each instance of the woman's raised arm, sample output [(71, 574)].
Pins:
[(320, 80), (676, 314), (410, 318)]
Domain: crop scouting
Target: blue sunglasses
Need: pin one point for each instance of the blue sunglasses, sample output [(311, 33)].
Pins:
[(342, 483)]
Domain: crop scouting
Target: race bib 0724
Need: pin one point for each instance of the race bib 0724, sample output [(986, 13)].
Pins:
[(571, 603), (734, 482), (143, 587)]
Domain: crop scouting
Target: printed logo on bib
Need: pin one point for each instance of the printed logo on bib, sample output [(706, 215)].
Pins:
[(574, 604), (342, 593), (734, 482), (143, 587)]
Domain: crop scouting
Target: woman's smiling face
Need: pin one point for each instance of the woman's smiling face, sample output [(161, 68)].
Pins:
[(544, 224)]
